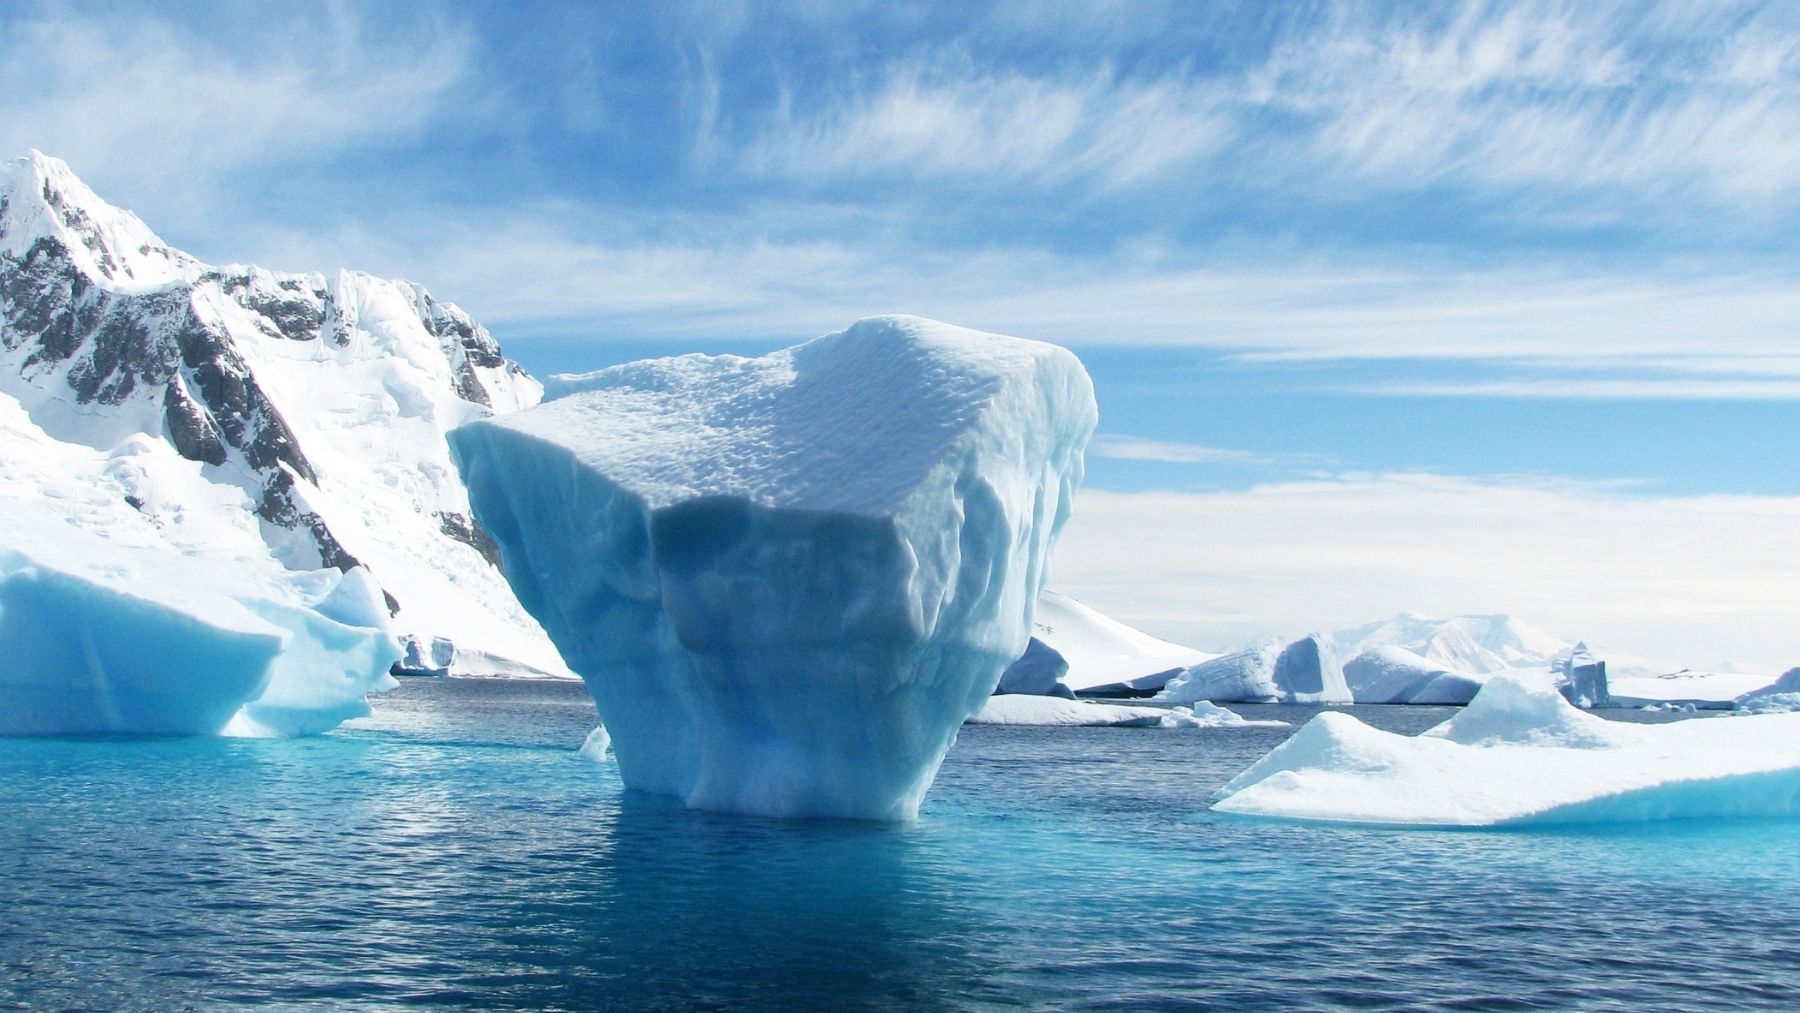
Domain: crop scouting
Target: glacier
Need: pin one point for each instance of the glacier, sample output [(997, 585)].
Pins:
[(137, 597), (1304, 671), (788, 580), (1521, 754)]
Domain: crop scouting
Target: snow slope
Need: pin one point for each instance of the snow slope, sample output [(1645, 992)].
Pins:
[(323, 399), (1472, 644), (1521, 754), (1100, 654), (788, 580), (136, 596)]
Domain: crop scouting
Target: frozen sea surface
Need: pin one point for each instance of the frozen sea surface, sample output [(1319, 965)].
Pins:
[(455, 850)]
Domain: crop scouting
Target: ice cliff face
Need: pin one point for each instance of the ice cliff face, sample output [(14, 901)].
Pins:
[(788, 580), (324, 399)]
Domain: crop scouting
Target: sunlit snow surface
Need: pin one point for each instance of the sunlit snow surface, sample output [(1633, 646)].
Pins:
[(1519, 753), (788, 580)]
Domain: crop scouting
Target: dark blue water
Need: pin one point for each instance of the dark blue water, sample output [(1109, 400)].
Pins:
[(455, 850)]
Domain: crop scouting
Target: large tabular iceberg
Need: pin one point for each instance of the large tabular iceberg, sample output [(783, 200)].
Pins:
[(788, 580), (1519, 754)]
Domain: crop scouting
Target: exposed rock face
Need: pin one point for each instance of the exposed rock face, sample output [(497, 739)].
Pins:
[(324, 399)]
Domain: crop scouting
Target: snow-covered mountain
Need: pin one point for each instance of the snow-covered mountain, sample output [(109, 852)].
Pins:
[(1484, 643), (323, 400)]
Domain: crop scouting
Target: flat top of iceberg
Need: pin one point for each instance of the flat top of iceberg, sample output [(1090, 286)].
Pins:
[(1521, 754), (772, 429)]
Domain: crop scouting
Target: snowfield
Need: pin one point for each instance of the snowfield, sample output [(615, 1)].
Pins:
[(1521, 754), (788, 580)]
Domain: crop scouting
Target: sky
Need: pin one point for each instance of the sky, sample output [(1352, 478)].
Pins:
[(1442, 307)]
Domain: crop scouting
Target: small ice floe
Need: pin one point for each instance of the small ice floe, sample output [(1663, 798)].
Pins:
[(596, 744)]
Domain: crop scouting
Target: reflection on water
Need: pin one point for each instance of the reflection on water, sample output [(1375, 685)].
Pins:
[(454, 849)]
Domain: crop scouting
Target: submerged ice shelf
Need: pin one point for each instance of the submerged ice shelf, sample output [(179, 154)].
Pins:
[(1521, 754), (788, 580)]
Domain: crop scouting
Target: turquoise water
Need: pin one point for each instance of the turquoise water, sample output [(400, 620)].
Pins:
[(455, 850)]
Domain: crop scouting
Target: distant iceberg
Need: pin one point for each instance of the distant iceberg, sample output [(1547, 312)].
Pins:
[(1395, 675), (1781, 696), (1052, 711), (788, 580), (1305, 671), (1075, 649), (1522, 754)]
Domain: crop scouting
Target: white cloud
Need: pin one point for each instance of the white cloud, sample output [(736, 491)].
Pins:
[(175, 111), (1692, 579), (1602, 388), (926, 119), (1131, 448)]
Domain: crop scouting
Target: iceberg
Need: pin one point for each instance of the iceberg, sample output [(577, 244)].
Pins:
[(1040, 671), (1781, 696), (788, 580), (1052, 711), (1075, 649), (1305, 671), (138, 598), (1395, 675), (1583, 679), (1522, 754)]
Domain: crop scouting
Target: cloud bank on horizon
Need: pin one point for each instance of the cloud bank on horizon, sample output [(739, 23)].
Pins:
[(1496, 211)]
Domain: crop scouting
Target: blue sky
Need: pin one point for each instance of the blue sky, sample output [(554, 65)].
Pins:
[(1532, 248)]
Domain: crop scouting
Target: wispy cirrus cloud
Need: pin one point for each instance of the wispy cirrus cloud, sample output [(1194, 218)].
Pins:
[(181, 111), (1132, 448), (1600, 389), (945, 118)]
